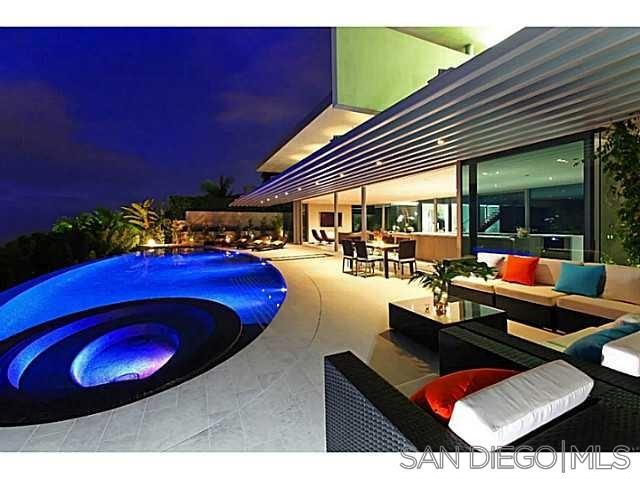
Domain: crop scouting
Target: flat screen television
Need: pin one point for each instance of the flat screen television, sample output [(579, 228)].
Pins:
[(326, 219)]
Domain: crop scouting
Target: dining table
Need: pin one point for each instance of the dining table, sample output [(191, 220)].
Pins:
[(385, 248)]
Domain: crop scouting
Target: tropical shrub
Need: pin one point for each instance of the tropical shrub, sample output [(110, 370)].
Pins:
[(74, 240), (620, 157), (146, 220)]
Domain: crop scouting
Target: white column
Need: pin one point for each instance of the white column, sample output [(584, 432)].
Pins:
[(363, 214), (297, 222), (336, 217)]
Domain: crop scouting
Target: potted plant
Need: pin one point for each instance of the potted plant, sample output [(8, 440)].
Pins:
[(439, 280)]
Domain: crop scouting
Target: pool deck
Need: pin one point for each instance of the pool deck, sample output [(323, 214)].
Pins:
[(269, 396)]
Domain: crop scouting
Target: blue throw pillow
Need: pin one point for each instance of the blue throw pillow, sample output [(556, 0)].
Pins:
[(590, 347), (585, 280)]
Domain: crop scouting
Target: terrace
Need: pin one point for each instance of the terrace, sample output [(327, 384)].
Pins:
[(269, 396)]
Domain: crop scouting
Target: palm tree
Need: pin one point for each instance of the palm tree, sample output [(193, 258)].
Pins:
[(145, 218), (221, 189)]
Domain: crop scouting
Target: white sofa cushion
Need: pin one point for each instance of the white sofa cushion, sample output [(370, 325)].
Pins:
[(622, 284), (475, 283), (548, 271), (623, 354), (600, 307), (541, 294), (499, 414), (493, 260)]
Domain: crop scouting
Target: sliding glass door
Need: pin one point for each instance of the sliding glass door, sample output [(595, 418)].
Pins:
[(529, 202)]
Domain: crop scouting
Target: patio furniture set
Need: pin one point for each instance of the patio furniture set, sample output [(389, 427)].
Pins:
[(576, 392), (365, 413), (371, 253)]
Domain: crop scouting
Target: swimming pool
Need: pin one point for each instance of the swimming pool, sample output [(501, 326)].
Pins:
[(130, 325)]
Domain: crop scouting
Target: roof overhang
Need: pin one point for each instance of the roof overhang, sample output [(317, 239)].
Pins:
[(539, 84), (321, 128)]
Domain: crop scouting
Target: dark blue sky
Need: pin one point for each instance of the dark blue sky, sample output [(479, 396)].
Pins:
[(101, 117)]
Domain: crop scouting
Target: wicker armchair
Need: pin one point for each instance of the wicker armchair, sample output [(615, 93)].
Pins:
[(365, 413)]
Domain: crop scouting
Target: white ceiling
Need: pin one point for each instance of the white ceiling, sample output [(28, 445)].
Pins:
[(458, 37), (439, 183), (316, 134)]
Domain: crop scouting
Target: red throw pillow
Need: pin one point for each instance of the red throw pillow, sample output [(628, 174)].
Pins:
[(440, 396), (520, 269)]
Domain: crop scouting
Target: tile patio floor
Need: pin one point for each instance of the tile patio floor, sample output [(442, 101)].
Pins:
[(269, 396)]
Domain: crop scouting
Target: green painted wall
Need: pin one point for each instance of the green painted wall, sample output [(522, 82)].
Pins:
[(376, 67)]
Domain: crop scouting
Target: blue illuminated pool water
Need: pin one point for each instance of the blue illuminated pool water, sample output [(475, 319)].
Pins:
[(252, 288), (109, 332)]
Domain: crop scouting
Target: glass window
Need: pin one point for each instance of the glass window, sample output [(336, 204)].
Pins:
[(427, 215), (404, 217), (374, 218), (532, 202)]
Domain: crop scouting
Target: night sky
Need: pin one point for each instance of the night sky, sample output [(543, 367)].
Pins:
[(102, 117)]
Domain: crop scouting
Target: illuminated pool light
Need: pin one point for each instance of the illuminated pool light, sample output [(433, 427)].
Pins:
[(129, 353)]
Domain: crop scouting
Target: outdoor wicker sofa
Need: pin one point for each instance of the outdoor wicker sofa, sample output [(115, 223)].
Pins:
[(365, 413), (543, 307)]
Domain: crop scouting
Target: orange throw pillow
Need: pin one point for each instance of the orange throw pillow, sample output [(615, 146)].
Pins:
[(440, 396), (520, 269)]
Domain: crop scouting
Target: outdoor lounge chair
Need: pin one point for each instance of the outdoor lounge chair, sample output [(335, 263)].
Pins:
[(242, 243), (262, 240), (316, 236), (348, 256), (271, 245), (325, 238), (406, 256), (362, 256)]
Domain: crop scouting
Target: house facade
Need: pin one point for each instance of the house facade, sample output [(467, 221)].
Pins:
[(461, 148)]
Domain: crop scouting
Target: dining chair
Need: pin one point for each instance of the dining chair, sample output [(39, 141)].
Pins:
[(363, 256), (348, 256), (406, 256)]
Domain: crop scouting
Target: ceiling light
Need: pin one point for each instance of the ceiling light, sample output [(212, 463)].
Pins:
[(261, 201), (562, 160), (441, 141), (484, 173), (551, 178), (317, 183), (286, 193), (299, 188), (276, 197), (268, 199), (378, 163), (341, 175)]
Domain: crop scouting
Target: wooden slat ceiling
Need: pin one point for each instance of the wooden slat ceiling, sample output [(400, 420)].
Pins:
[(539, 84)]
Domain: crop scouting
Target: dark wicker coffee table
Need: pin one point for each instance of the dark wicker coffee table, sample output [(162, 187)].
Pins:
[(417, 319)]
